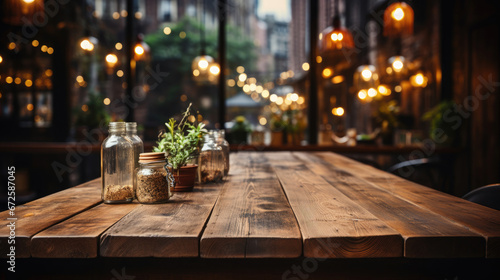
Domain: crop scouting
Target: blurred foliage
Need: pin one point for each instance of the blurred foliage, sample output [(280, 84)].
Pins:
[(95, 115), (440, 129)]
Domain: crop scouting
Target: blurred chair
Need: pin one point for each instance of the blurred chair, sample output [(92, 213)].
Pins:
[(488, 196), (434, 172)]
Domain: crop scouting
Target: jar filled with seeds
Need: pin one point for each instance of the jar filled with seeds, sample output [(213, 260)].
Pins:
[(117, 166), (211, 162), (153, 179), (219, 136)]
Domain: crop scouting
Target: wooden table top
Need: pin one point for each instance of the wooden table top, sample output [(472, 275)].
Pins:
[(272, 205)]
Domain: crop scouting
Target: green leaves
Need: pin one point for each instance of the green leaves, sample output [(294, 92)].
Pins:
[(181, 141)]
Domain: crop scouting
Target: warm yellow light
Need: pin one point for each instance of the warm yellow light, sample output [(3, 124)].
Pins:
[(106, 101), (17, 80), (398, 14), (320, 37), (334, 36), (231, 83), (366, 74), (138, 15), (362, 94), (139, 50), (240, 83), (12, 46), (301, 100), (388, 70), (279, 100), (259, 89), (372, 92), (85, 108), (290, 73), (124, 13), (273, 97), (48, 72), (167, 30), (419, 79), (196, 72), (116, 15), (294, 97), (384, 90), (246, 88), (339, 111), (44, 48), (79, 79), (265, 93), (111, 59), (50, 50), (182, 35), (29, 107), (118, 46), (305, 66), (319, 59), (184, 98), (338, 79), (1, 59), (262, 121), (28, 1), (119, 73), (327, 73), (28, 83), (288, 101), (86, 45), (214, 69), (9, 80), (253, 87), (240, 69), (35, 43), (398, 88), (242, 77)]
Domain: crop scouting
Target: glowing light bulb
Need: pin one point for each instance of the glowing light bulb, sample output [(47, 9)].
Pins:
[(139, 50), (214, 69), (419, 79), (398, 14), (362, 94), (327, 72), (372, 92), (111, 59), (242, 77), (397, 65), (86, 45), (366, 74)]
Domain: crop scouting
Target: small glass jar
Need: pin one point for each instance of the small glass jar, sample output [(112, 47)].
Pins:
[(117, 166), (153, 179), (222, 142), (211, 165), (131, 129)]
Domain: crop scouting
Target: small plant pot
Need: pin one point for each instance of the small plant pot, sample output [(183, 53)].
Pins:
[(184, 178)]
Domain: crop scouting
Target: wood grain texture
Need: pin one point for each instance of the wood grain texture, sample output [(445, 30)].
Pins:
[(78, 237), (40, 214), (480, 219), (252, 217), (332, 225), (427, 234), (169, 230)]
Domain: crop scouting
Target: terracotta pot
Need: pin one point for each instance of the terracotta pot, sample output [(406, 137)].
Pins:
[(185, 178)]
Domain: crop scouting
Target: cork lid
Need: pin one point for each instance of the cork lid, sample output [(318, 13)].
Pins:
[(151, 157)]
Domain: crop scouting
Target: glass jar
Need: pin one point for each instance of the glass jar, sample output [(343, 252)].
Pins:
[(131, 129), (211, 165), (117, 166), (222, 142), (153, 179)]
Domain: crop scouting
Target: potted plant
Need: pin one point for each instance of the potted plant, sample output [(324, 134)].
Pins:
[(181, 142), (240, 130)]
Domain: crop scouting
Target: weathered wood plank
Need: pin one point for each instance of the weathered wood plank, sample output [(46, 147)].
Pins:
[(252, 217), (427, 234), (332, 225), (40, 214), (172, 229), (480, 219), (78, 237)]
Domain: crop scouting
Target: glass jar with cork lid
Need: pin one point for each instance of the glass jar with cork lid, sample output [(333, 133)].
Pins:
[(153, 179)]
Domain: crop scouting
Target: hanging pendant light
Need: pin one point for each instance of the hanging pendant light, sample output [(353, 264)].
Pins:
[(366, 77), (20, 12), (204, 68), (398, 20), (335, 37)]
